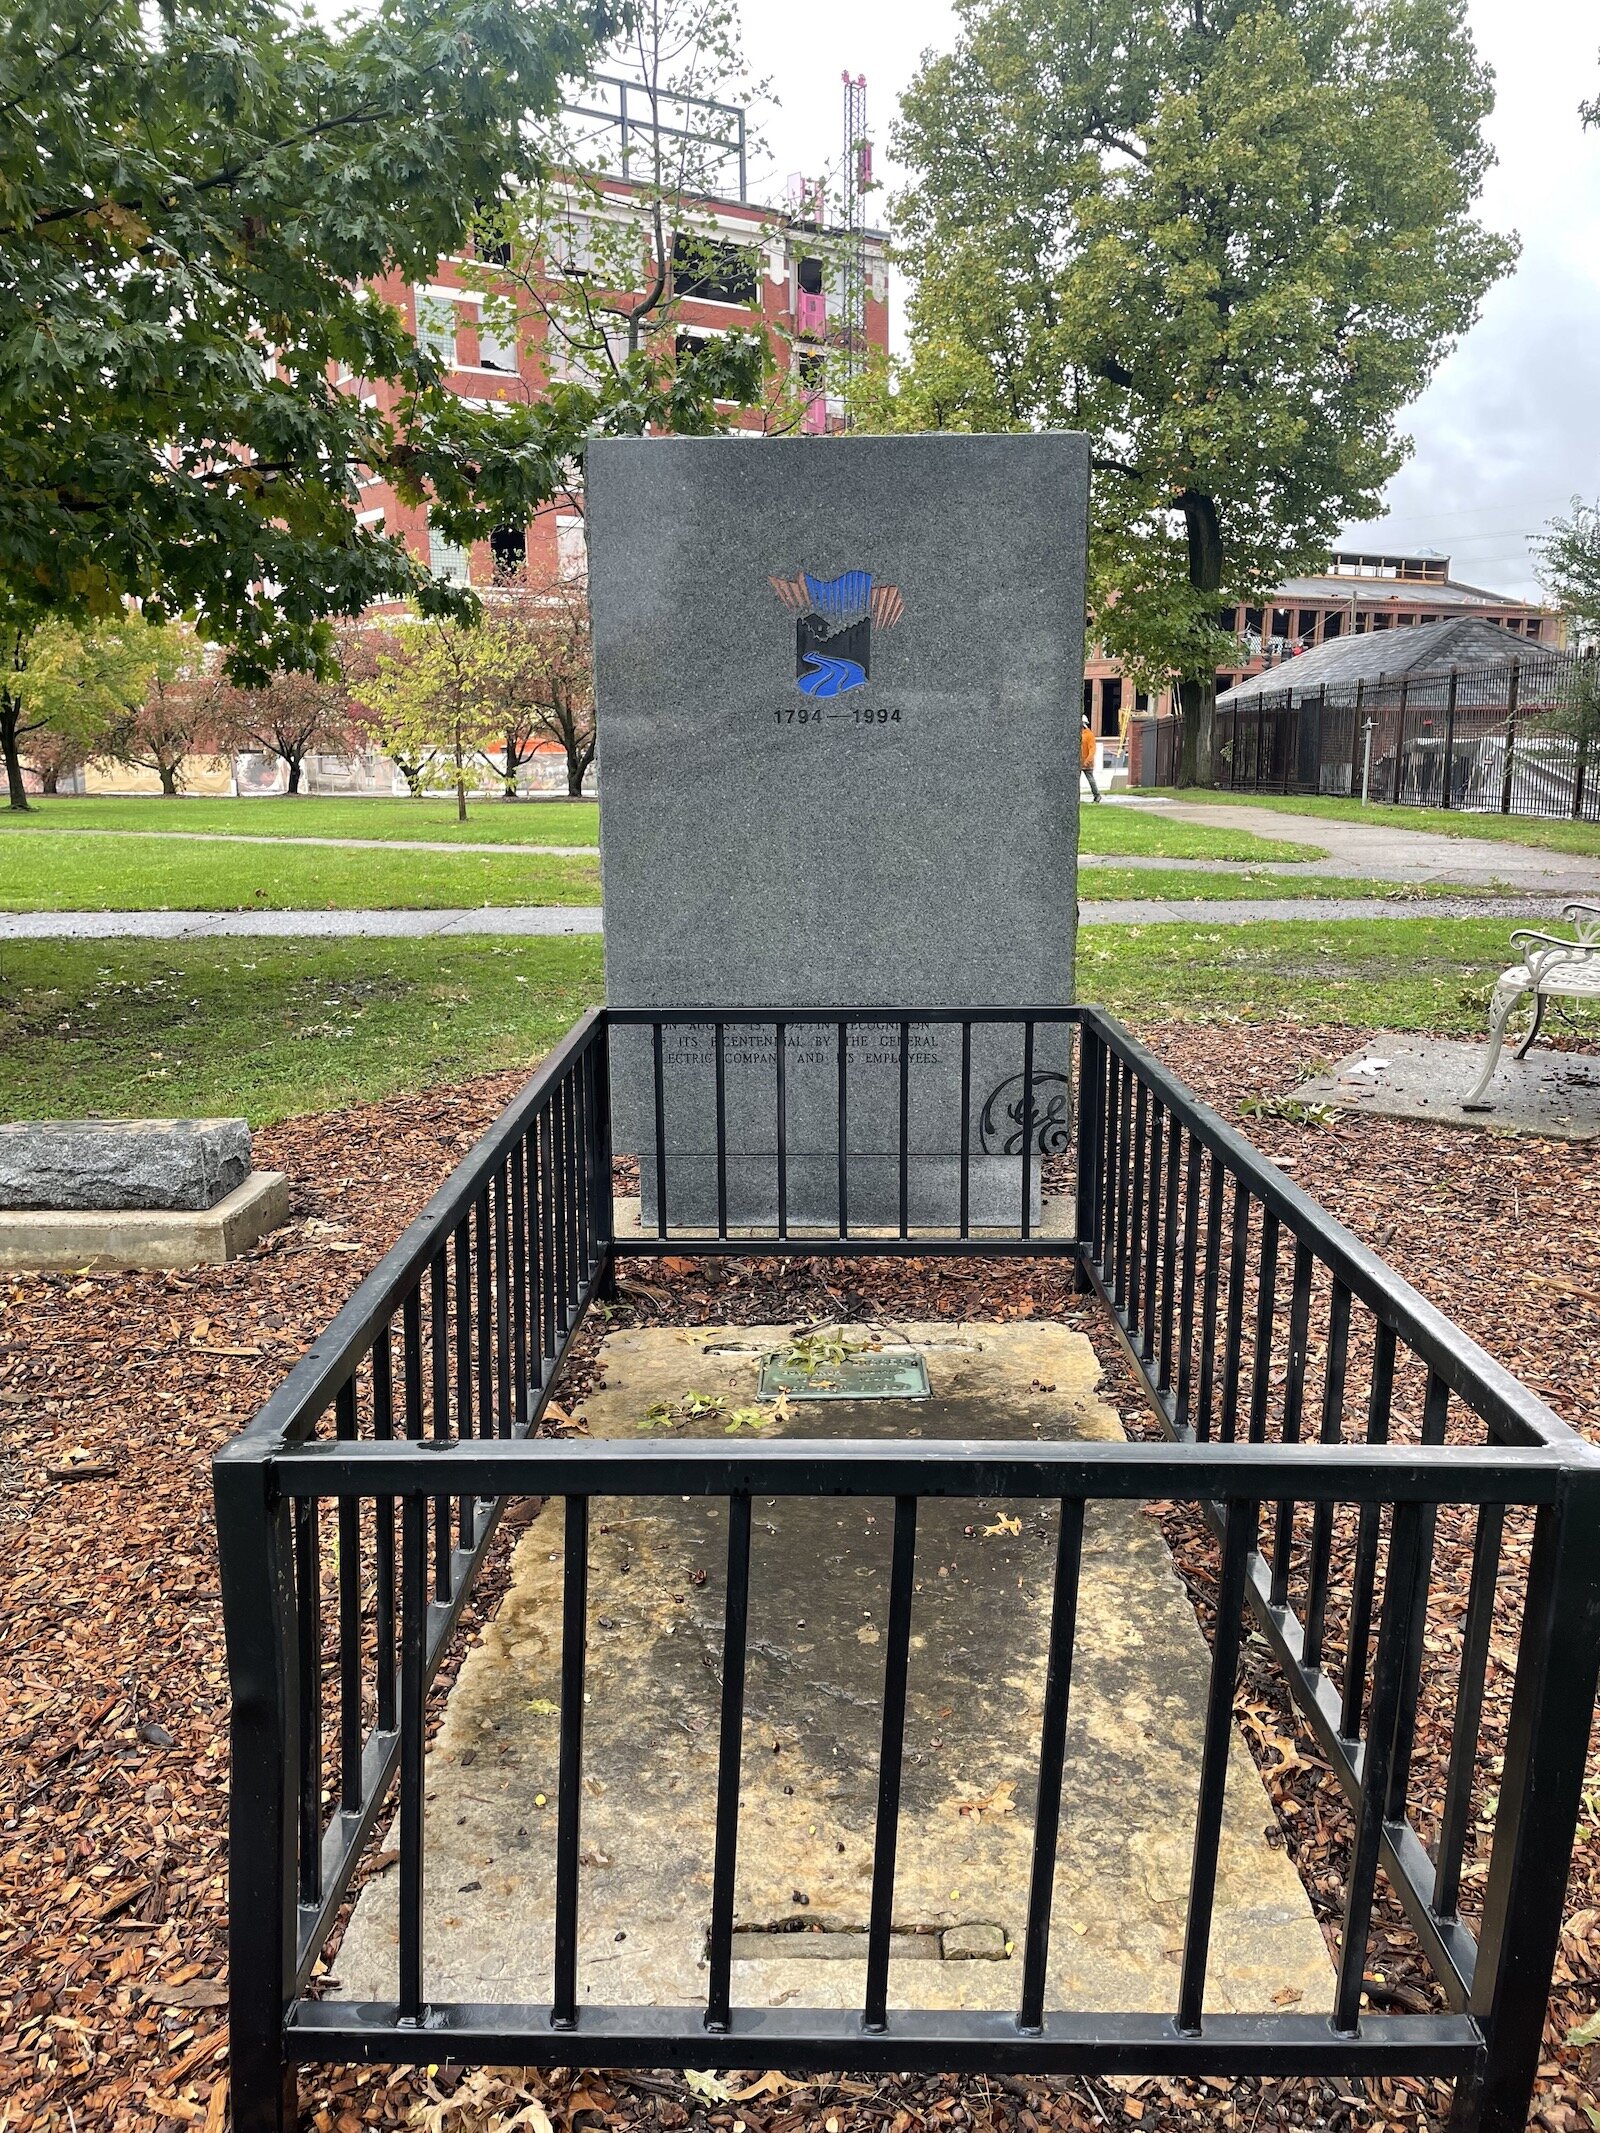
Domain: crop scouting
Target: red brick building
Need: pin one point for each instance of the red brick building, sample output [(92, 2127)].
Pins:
[(1361, 590), (746, 260)]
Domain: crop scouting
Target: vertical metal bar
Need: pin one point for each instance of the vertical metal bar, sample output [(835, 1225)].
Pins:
[(482, 1227), (781, 1029), (308, 1623), (413, 1747), (344, 1424), (1238, 1537), (604, 1204), (1435, 1416), (1448, 780), (439, 1359), (890, 1756), (661, 1130), (1119, 1288), (1087, 1198), (502, 1305), (1541, 1792), (1469, 1709), (905, 1127), (519, 1290), (1266, 1320), (730, 1742), (720, 1078), (844, 1138), (1322, 1517), (1110, 1139), (467, 1530), (551, 1161), (256, 1550), (1052, 1761), (1128, 1293), (1388, 1688), (567, 1098), (583, 1164), (569, 1775), (966, 1127), (1191, 1246), (1169, 1257), (1365, 1569), (1152, 1232), (1025, 1139), (1208, 1301), (383, 1538), (1293, 1407), (1233, 1338)]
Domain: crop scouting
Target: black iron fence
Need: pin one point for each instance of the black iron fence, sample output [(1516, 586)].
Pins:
[(1341, 1436), (1505, 738)]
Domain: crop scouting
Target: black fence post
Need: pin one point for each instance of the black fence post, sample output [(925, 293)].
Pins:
[(1400, 739), (1091, 1075), (256, 1549), (1449, 743), (1511, 734), (1541, 1793), (1355, 743), (603, 1191)]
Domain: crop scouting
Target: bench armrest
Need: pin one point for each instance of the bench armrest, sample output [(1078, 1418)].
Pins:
[(1551, 949)]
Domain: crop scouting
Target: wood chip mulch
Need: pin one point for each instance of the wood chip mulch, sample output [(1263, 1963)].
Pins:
[(116, 1389)]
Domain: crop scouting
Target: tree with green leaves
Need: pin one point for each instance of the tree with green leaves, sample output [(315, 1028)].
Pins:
[(1569, 569), (538, 664), (430, 702), (1230, 240), (66, 691), (196, 200)]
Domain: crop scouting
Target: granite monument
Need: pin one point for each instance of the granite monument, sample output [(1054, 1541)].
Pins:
[(838, 686)]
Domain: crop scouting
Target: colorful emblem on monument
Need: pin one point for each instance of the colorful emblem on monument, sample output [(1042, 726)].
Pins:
[(833, 627)]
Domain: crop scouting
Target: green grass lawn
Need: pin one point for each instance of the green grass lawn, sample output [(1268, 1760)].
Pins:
[(1101, 884), (1119, 830), (1580, 839), (53, 871), (275, 1028), (432, 819), (272, 1029)]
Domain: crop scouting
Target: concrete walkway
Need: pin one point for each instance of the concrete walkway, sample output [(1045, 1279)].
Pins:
[(541, 920), (1383, 854)]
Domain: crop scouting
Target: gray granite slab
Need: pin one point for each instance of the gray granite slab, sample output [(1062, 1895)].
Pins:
[(839, 688), (1550, 1095), (113, 1164)]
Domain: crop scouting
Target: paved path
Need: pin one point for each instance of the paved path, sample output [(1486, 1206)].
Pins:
[(1383, 854), (535, 920)]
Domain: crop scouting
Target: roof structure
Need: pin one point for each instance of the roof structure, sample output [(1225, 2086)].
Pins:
[(1424, 648), (1397, 592)]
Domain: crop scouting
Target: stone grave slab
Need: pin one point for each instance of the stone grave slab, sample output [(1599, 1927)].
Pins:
[(1550, 1095), (107, 1164), (838, 687), (817, 1621)]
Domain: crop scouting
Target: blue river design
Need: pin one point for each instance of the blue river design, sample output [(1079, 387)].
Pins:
[(830, 676)]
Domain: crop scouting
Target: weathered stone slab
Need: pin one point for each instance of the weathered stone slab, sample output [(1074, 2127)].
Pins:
[(41, 1238), (838, 687), (818, 1614), (115, 1163), (1549, 1095)]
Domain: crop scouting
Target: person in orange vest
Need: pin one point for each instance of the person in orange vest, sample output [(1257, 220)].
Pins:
[(1086, 753)]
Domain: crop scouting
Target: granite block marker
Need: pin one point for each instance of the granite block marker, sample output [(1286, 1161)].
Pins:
[(839, 686)]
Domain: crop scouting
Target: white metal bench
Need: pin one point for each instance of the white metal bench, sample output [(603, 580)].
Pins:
[(1554, 966)]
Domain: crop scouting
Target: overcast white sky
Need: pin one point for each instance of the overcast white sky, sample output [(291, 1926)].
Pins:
[(1509, 430)]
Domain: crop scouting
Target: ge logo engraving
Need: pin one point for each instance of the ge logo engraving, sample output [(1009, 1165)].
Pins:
[(1002, 1129)]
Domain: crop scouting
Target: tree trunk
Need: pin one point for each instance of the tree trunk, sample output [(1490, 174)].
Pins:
[(50, 783), (10, 713), (292, 765), (461, 782), (1197, 693), (576, 766), (509, 779), (168, 772)]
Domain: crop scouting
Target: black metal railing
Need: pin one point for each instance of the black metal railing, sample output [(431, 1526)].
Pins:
[(355, 1512)]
